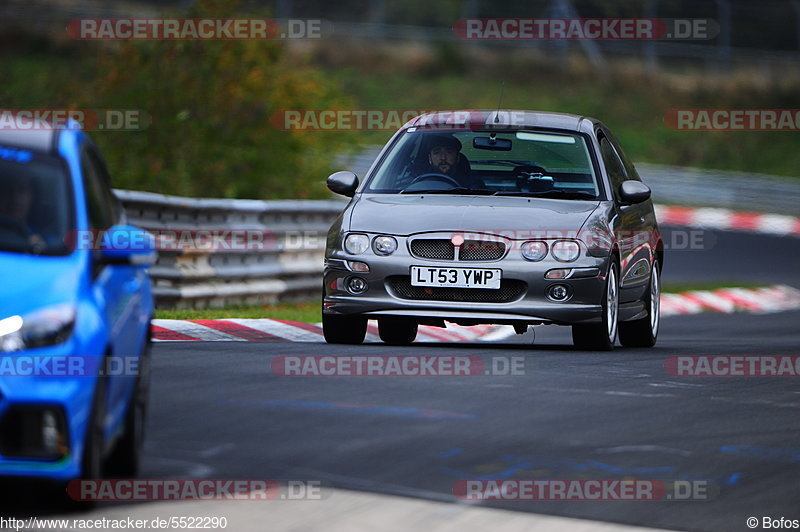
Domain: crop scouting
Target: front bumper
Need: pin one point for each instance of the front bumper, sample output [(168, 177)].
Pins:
[(24, 397), (529, 304)]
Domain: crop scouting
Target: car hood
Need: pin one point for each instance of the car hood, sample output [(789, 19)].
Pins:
[(32, 282), (405, 215)]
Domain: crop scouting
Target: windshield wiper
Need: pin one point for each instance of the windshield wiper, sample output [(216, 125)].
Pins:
[(460, 190), (557, 194)]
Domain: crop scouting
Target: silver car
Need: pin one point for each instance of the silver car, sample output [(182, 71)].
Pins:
[(496, 217)]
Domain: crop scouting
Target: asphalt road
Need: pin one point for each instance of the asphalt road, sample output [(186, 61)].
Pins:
[(218, 411)]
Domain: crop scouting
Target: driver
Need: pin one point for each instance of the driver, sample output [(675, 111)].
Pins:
[(16, 202), (16, 199), (445, 157)]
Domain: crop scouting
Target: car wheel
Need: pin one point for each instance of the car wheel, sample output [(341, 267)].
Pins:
[(601, 336), (397, 331), (126, 458), (92, 463), (344, 329), (644, 332)]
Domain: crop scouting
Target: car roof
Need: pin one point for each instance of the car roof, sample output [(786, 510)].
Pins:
[(40, 140), (501, 118)]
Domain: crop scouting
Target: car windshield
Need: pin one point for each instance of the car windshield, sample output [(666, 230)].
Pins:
[(524, 163), (36, 210)]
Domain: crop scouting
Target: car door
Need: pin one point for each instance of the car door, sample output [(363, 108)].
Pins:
[(629, 225), (114, 286)]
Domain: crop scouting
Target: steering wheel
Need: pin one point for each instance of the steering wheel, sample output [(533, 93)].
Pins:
[(434, 176), (15, 225)]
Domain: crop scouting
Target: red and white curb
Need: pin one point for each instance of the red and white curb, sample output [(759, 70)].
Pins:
[(776, 298), (267, 330), (726, 300), (727, 220)]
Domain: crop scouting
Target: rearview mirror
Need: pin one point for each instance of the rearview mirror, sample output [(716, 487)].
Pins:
[(344, 183), (491, 143), (631, 192)]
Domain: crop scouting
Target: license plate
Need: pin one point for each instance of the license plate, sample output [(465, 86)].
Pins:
[(456, 277)]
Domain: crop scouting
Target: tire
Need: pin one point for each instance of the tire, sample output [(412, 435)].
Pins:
[(644, 332), (92, 466), (344, 329), (94, 444), (397, 331), (125, 460), (601, 336)]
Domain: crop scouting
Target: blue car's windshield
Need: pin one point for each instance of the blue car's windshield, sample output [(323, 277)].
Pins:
[(36, 207), (525, 162)]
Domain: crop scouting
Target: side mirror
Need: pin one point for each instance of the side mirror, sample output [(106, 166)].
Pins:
[(631, 192), (344, 183), (127, 245)]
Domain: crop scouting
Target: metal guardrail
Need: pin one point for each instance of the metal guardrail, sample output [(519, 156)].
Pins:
[(280, 257)]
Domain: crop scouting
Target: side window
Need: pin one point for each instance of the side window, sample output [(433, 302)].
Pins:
[(613, 164), (100, 202), (630, 170)]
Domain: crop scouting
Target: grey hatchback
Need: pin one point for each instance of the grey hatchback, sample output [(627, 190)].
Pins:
[(501, 217)]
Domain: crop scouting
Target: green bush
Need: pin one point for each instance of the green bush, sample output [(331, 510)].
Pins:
[(210, 104)]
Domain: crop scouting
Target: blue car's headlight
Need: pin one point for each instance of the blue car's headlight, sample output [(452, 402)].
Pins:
[(49, 326)]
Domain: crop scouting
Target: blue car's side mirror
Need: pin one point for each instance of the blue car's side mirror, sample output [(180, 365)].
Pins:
[(129, 245)]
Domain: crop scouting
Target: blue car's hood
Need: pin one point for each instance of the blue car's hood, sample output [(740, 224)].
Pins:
[(31, 282)]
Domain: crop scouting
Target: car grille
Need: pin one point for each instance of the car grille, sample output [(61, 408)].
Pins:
[(510, 290), (428, 248), (481, 250), (471, 250)]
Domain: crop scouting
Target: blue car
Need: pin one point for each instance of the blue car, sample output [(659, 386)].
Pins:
[(75, 311)]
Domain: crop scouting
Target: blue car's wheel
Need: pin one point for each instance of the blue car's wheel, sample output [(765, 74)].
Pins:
[(126, 457), (92, 461)]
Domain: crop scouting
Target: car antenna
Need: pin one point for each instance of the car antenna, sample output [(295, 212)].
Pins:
[(500, 103)]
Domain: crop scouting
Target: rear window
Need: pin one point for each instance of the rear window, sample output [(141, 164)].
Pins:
[(36, 206)]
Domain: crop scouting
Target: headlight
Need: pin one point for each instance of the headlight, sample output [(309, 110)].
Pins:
[(384, 245), (565, 251), (356, 244), (534, 251), (49, 326)]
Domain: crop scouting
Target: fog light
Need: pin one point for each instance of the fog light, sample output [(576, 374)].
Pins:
[(558, 274), (558, 292), (357, 266), (34, 432), (356, 285)]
